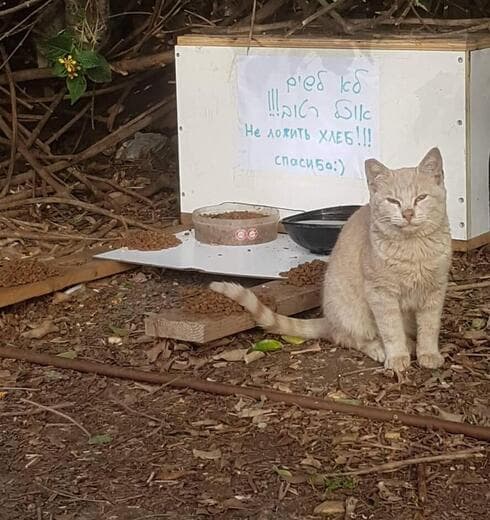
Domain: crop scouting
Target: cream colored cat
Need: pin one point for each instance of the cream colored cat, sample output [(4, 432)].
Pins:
[(387, 275)]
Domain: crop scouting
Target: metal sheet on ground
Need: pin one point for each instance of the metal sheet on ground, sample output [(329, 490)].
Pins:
[(258, 261)]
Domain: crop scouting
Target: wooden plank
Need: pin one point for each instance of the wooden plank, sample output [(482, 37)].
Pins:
[(92, 270), (185, 326), (461, 43), (76, 268), (472, 243)]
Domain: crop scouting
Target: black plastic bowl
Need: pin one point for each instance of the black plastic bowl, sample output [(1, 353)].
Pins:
[(318, 230)]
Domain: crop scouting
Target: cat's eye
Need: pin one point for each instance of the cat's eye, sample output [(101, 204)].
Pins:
[(393, 201), (421, 197)]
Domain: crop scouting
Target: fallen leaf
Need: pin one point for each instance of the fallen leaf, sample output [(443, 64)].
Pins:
[(69, 354), (392, 436), (43, 329), (482, 410), (311, 461), (282, 387), (103, 438), (6, 378), (286, 475), (448, 416), (341, 397), (478, 323), (475, 334), (207, 455), (205, 422), (267, 345), (293, 340), (160, 349), (60, 297), (253, 356), (252, 412), (282, 472), (386, 494), (350, 507), (237, 354), (240, 405), (3, 394), (345, 438), (139, 277), (233, 503), (330, 507), (53, 375), (118, 331)]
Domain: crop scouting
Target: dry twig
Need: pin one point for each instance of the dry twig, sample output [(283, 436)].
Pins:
[(397, 464), (60, 414), (13, 138)]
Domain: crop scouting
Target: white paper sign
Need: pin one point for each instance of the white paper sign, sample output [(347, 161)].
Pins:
[(308, 115)]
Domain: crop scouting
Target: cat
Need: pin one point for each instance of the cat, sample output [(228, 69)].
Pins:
[(386, 280)]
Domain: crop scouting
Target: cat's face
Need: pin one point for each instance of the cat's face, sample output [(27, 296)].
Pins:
[(408, 200)]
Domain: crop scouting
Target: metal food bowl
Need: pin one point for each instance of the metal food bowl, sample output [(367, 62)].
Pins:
[(319, 229)]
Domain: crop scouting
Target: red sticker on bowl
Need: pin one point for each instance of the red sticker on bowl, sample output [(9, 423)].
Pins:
[(252, 233), (241, 234)]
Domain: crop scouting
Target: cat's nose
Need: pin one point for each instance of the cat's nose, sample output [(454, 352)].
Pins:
[(408, 214)]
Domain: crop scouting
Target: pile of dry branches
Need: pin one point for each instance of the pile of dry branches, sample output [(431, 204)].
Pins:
[(59, 182)]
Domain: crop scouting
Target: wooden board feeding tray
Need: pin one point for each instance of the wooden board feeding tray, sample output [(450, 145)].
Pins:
[(185, 326)]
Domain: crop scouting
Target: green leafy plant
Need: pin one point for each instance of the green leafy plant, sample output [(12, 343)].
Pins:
[(69, 60)]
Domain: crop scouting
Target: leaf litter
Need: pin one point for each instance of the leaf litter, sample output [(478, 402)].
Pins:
[(305, 443)]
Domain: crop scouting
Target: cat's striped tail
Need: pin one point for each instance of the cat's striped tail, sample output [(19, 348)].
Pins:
[(267, 318)]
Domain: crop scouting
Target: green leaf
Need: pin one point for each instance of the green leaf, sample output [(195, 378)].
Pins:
[(293, 340), (70, 354), (76, 87), (89, 59), (59, 70), (101, 73), (58, 46), (104, 438), (118, 331), (267, 345), (284, 473)]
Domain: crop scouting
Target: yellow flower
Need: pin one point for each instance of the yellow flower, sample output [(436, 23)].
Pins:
[(71, 66)]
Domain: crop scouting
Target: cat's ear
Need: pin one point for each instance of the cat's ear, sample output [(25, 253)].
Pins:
[(431, 165), (374, 171)]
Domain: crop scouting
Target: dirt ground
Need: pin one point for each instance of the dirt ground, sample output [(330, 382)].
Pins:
[(117, 450)]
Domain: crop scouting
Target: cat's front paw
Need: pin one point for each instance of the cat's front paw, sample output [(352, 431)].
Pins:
[(375, 350), (430, 360), (411, 345), (397, 363)]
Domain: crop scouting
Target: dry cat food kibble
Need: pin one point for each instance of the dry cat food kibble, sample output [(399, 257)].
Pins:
[(201, 300), (236, 215), (22, 272), (309, 273), (150, 241)]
